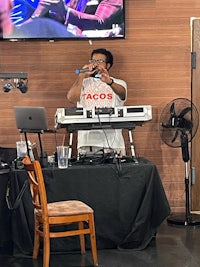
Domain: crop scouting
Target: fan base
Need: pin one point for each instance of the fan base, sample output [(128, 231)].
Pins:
[(180, 219)]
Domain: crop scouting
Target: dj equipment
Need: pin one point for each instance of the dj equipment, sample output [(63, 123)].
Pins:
[(123, 117), (97, 118)]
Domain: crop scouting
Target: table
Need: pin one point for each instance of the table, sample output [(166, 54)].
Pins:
[(7, 155), (5, 214), (129, 204)]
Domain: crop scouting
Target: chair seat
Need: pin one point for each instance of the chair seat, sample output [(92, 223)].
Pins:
[(68, 207)]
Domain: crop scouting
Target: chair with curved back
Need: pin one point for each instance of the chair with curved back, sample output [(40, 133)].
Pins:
[(58, 213)]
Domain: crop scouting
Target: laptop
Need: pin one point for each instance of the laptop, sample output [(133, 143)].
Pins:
[(30, 119)]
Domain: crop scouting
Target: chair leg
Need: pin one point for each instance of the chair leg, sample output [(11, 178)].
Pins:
[(46, 247), (93, 239), (82, 238), (36, 240)]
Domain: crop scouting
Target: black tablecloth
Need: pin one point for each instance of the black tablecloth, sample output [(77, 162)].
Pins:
[(7, 155), (5, 214), (128, 200)]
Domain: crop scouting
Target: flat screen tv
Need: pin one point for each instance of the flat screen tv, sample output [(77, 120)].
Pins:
[(67, 19)]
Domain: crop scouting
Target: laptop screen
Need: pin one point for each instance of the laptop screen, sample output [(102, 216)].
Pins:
[(30, 119)]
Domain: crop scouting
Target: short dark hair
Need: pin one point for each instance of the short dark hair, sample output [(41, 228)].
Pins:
[(109, 56)]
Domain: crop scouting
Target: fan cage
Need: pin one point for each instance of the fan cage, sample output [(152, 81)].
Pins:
[(173, 124)]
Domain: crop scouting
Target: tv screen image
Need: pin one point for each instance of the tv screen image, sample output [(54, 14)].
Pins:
[(61, 19)]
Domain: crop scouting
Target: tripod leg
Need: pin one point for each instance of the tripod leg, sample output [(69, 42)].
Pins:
[(27, 146), (70, 145), (132, 145), (40, 142)]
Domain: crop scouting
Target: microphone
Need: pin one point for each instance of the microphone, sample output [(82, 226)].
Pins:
[(77, 71)]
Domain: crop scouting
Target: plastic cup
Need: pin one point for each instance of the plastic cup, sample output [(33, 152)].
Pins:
[(62, 154), (21, 149)]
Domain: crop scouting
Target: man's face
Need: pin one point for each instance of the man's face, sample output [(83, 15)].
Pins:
[(99, 60)]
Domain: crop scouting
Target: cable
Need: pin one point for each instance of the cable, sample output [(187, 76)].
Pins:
[(109, 146)]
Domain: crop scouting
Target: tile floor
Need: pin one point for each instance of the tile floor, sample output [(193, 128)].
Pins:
[(174, 246)]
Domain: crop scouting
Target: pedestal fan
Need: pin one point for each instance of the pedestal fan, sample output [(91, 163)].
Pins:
[(179, 122)]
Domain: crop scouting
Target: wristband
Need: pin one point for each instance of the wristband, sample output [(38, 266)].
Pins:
[(112, 81)]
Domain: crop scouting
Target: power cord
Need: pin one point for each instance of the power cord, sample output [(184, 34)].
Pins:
[(100, 123)]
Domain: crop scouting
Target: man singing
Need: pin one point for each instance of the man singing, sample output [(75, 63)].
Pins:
[(96, 88)]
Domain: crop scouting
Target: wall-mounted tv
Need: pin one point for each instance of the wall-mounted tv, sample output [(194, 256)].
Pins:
[(63, 19)]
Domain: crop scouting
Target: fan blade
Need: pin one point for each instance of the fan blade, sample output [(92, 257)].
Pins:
[(184, 111), (172, 109), (175, 136), (174, 117)]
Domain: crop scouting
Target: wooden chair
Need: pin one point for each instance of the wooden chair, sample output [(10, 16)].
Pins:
[(58, 213)]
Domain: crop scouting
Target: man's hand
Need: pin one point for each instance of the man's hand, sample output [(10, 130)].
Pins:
[(92, 68), (105, 77)]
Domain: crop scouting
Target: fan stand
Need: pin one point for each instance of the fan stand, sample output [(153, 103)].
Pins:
[(186, 219)]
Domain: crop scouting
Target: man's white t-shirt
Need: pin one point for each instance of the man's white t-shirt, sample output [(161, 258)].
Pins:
[(96, 93)]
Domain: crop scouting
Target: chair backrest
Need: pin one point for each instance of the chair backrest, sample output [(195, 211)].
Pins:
[(37, 186)]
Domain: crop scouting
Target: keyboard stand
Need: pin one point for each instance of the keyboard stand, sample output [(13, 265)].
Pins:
[(130, 140), (132, 145), (70, 144)]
